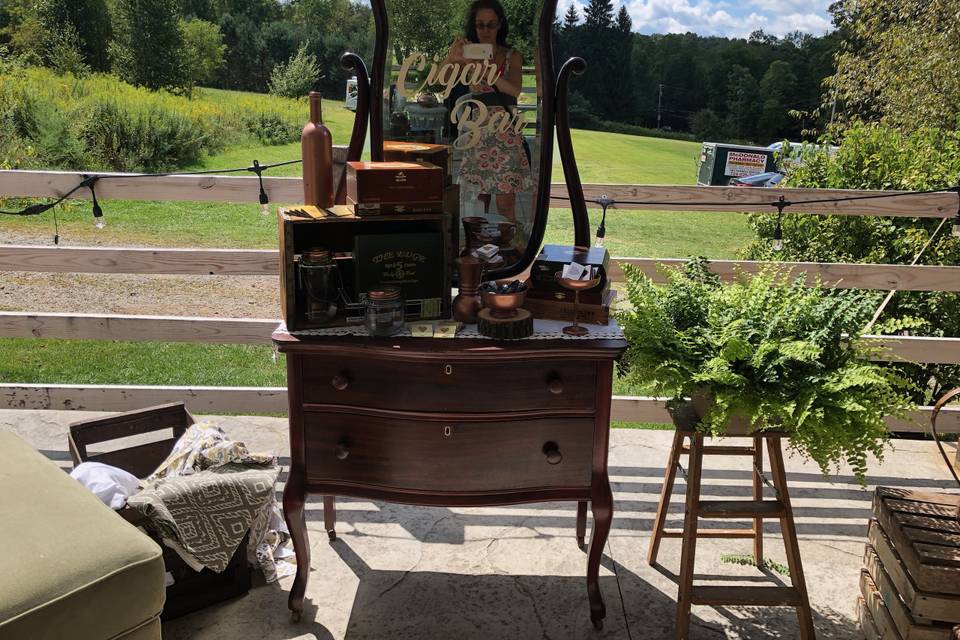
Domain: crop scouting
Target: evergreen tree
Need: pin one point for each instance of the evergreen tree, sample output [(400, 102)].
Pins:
[(599, 13), (778, 88), (148, 48), (624, 23), (571, 17), (743, 97)]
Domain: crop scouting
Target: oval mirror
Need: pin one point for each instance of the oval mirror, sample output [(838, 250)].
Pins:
[(469, 85)]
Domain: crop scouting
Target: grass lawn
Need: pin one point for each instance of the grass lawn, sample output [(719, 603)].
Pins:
[(602, 158)]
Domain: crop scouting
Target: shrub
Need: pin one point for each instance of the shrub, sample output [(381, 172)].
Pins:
[(297, 77), (873, 156)]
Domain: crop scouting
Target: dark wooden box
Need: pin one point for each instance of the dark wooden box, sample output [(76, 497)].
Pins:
[(335, 229), (191, 590)]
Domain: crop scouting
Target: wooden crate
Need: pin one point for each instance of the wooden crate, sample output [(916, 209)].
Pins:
[(191, 590), (336, 233), (924, 531)]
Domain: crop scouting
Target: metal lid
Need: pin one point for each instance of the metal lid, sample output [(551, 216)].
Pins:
[(384, 293), (317, 255)]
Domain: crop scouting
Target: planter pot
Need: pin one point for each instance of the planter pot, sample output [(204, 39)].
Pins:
[(687, 417)]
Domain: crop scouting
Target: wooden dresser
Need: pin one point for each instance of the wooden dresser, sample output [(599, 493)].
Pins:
[(457, 422)]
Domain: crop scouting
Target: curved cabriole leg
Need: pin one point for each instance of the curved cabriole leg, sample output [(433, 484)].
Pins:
[(602, 504), (293, 502), (581, 523)]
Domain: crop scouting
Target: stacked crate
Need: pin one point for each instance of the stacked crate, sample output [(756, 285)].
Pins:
[(910, 583)]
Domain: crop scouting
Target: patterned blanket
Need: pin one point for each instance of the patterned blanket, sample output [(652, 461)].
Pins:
[(207, 513), (207, 494)]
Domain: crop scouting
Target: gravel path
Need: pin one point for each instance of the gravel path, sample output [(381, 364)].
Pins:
[(199, 295), (222, 296)]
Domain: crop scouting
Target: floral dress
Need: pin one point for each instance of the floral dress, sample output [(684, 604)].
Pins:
[(498, 163)]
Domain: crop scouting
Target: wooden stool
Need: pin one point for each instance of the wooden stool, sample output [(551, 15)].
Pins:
[(758, 509)]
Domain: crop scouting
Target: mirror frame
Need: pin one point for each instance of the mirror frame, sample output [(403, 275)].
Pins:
[(553, 113)]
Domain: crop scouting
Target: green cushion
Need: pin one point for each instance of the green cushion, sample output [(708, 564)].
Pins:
[(70, 566)]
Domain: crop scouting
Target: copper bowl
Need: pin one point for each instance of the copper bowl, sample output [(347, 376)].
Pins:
[(503, 305), (480, 231)]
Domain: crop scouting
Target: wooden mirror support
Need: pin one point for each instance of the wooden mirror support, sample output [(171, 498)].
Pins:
[(553, 113)]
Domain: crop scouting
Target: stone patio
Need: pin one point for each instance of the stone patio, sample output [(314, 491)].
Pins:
[(398, 571)]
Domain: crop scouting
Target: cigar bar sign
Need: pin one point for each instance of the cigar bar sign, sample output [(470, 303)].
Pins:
[(473, 117)]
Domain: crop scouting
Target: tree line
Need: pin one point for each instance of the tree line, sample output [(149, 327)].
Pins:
[(761, 88)]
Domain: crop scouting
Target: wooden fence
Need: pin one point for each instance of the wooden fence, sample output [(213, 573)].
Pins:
[(216, 262)]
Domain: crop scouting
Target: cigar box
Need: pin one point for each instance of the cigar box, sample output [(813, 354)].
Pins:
[(392, 208), (553, 257), (592, 296), (394, 183), (412, 261), (435, 154), (555, 310)]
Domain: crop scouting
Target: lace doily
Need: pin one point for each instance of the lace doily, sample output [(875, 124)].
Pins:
[(542, 330)]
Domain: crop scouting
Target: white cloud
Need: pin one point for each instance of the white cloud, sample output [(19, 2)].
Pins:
[(711, 17)]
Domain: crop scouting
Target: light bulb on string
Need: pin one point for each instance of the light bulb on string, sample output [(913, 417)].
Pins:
[(778, 237), (604, 201), (955, 231), (98, 220)]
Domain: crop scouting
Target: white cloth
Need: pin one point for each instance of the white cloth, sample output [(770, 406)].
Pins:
[(112, 485)]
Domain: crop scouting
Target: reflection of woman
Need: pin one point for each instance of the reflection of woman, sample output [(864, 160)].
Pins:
[(497, 165)]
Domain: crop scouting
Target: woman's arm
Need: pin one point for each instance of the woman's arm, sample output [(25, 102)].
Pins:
[(512, 82)]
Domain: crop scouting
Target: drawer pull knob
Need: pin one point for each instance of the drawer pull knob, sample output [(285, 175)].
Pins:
[(342, 451), (447, 431), (340, 382), (552, 451), (555, 384), (448, 369)]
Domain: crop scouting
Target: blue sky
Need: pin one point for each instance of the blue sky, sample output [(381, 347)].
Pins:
[(733, 18)]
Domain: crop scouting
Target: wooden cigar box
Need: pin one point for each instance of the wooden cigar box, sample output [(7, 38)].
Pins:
[(394, 183), (435, 154), (555, 310), (392, 208), (553, 257), (592, 296)]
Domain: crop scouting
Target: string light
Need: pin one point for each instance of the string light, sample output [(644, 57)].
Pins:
[(264, 200), (604, 201), (98, 221), (780, 204), (956, 219)]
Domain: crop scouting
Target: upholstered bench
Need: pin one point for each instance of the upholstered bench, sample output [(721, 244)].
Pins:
[(69, 566)]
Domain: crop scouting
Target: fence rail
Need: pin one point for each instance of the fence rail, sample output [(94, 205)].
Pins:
[(218, 262)]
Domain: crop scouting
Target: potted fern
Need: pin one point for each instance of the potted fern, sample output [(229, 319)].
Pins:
[(764, 352)]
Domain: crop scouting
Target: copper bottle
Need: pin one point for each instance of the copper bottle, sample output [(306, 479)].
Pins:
[(316, 145), (466, 305)]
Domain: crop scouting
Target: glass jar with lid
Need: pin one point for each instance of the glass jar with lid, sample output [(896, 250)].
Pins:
[(321, 281), (383, 311)]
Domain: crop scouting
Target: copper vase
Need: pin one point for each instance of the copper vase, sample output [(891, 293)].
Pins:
[(466, 305), (316, 147)]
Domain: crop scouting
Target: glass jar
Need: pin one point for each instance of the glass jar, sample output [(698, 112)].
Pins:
[(320, 280), (383, 311)]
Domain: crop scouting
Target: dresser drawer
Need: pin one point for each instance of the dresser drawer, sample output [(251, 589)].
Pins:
[(450, 386), (448, 456)]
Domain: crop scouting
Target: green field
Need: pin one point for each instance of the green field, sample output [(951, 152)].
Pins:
[(602, 158)]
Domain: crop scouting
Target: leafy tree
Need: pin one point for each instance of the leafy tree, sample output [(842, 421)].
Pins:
[(707, 125), (777, 88), (63, 53), (297, 77), (87, 22), (571, 17), (898, 61), (624, 22), (148, 48), (204, 49), (599, 13)]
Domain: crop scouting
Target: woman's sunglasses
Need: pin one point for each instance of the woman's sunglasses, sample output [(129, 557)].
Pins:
[(493, 25)]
